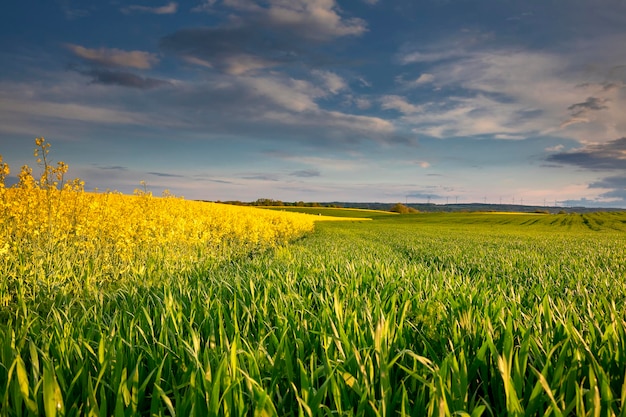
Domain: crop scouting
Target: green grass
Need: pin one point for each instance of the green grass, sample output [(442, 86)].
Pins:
[(428, 314), (337, 212)]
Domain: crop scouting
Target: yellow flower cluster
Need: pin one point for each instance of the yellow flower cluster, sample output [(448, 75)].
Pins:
[(53, 229)]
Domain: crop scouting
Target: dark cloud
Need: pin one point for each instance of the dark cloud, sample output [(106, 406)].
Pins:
[(617, 185), (266, 107), (616, 194), (592, 103), (123, 79), (308, 173), (611, 86), (113, 168), (165, 174), (203, 177), (582, 112), (169, 8), (607, 156), (424, 194), (585, 202), (264, 36), (261, 177), (610, 182), (233, 50)]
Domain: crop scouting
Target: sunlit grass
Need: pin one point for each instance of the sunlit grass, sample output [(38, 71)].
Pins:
[(428, 314)]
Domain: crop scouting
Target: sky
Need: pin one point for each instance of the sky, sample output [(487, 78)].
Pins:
[(441, 101)]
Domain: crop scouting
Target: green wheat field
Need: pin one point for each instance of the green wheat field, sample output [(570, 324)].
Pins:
[(464, 314)]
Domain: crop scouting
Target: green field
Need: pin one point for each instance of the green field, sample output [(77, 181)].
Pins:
[(427, 314), (336, 212)]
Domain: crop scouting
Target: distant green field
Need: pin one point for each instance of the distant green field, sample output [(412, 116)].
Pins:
[(337, 212), (523, 222), (464, 314)]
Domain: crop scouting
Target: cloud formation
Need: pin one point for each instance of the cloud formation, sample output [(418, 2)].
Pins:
[(234, 51), (333, 82), (319, 20), (165, 174), (616, 186), (170, 8), (306, 173), (394, 102), (112, 57), (607, 156), (581, 112), (264, 35), (515, 92), (123, 79), (592, 103)]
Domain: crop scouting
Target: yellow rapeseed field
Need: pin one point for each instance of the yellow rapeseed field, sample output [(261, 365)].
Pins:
[(52, 231)]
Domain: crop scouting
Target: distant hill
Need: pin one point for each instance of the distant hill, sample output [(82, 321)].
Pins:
[(423, 207), (432, 208)]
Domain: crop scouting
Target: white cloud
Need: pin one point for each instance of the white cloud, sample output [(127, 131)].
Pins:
[(517, 93), (68, 111), (242, 5), (420, 57), (362, 103), (424, 79), (239, 64), (197, 61), (364, 82), (316, 19), (573, 121), (115, 57), (461, 116), (393, 102), (313, 19), (556, 148), (288, 93), (339, 125), (204, 6), (332, 82), (325, 164), (359, 123)]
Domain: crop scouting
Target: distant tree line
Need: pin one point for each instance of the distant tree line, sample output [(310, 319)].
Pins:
[(423, 207), (268, 202)]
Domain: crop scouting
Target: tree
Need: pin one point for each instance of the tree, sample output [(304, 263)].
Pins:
[(402, 209)]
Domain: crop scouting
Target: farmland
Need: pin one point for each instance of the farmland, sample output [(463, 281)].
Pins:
[(486, 314), (212, 310)]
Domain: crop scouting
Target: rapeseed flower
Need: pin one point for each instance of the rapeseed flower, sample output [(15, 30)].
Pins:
[(57, 226)]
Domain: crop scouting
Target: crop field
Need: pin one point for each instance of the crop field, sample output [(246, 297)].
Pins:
[(116, 305)]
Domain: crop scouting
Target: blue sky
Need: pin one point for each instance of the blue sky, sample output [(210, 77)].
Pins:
[(324, 100)]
